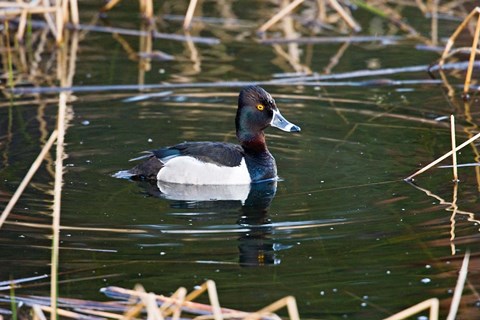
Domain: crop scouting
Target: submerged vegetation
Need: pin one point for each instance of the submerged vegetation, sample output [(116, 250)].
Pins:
[(40, 43)]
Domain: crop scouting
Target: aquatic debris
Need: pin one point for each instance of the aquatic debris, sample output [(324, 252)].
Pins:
[(140, 304)]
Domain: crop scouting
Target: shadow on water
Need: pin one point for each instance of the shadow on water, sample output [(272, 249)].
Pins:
[(256, 248)]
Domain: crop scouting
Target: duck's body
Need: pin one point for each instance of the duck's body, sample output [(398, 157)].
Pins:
[(221, 163)]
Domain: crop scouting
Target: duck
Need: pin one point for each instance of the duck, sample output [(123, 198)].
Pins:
[(220, 163)]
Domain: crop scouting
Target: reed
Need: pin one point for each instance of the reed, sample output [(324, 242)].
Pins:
[(189, 15), (457, 294), (334, 4), (277, 17), (430, 304), (26, 180), (473, 49), (57, 192), (446, 155), (454, 146), (146, 7), (38, 313), (63, 11), (10, 82)]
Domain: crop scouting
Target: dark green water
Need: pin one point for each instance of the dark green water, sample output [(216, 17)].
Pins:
[(341, 231)]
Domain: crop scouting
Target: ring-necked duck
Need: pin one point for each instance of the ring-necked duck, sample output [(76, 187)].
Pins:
[(221, 163)]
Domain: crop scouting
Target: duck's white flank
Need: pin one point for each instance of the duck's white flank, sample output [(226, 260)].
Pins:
[(188, 170)]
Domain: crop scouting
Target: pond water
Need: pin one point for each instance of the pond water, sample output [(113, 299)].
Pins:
[(341, 231)]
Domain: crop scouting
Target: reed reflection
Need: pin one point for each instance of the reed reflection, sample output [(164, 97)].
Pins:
[(256, 247)]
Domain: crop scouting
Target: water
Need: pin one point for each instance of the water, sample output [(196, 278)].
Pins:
[(341, 231)]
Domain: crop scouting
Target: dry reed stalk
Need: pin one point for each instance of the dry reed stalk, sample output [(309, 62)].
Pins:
[(133, 311), (22, 24), (33, 168), (48, 18), (109, 5), (149, 301), (151, 305), (181, 293), (432, 304), (452, 39), (9, 4), (473, 53), (448, 6), (74, 12), (321, 10), (457, 294), (409, 178), (454, 145), (214, 302), (102, 314), (32, 10), (454, 208), (335, 59), (210, 287), (189, 15), (286, 10), (345, 15), (146, 8), (434, 26), (38, 313), (188, 304), (194, 55), (339, 39), (62, 106), (288, 302), (90, 229), (59, 21), (144, 63), (61, 312), (381, 9), (174, 307), (421, 6)]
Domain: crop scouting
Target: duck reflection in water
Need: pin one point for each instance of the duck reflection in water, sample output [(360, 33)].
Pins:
[(256, 248)]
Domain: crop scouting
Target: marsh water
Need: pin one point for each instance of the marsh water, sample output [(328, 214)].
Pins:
[(341, 231)]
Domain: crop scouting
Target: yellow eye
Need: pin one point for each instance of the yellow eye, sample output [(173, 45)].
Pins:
[(260, 107)]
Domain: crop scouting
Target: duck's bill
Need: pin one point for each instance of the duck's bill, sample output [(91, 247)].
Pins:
[(278, 121)]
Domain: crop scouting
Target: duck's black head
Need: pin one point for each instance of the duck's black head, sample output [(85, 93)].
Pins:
[(256, 111)]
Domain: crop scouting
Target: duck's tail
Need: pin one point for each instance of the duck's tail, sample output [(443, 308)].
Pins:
[(146, 170)]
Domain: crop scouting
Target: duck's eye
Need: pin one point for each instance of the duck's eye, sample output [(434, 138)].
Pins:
[(260, 107)]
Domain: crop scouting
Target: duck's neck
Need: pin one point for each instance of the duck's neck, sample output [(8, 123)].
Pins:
[(253, 143)]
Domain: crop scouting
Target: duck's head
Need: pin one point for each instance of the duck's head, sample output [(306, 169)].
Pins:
[(256, 111)]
